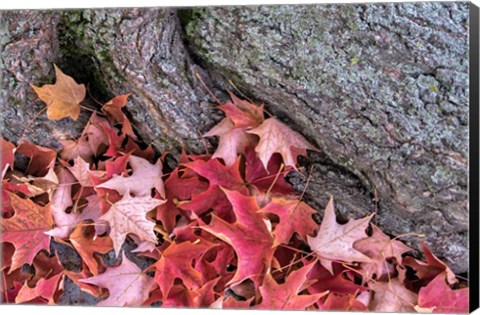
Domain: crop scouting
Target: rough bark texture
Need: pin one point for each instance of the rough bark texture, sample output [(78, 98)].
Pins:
[(382, 89)]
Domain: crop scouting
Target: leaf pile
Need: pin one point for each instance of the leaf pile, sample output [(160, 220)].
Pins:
[(222, 231)]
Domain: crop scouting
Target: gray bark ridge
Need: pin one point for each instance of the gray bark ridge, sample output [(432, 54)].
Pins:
[(382, 89)]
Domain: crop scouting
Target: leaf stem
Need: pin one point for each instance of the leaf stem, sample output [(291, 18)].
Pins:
[(276, 178), (207, 89), (30, 122)]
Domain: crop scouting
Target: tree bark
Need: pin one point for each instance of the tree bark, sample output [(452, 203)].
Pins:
[(382, 89)]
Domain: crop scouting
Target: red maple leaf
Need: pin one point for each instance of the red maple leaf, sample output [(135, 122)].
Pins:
[(113, 110), (337, 282), (429, 270), (85, 241), (176, 263), (218, 175), (249, 237), (26, 230), (295, 217), (438, 297), (41, 159), (45, 288), (7, 158), (276, 137), (177, 188), (287, 296)]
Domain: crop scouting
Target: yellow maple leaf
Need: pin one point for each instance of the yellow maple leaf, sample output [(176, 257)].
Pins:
[(62, 98)]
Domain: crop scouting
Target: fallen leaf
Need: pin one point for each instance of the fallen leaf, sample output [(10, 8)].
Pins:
[(233, 141), (8, 156), (61, 201), (286, 296), (41, 159), (62, 98), (177, 188), (26, 230), (45, 288), (249, 237), (276, 137), (392, 296), (266, 180), (176, 263), (244, 113), (337, 282), (128, 215), (379, 247), (80, 170), (87, 243), (144, 177), (213, 198), (438, 297), (113, 110), (295, 217), (342, 302), (334, 242), (127, 284)]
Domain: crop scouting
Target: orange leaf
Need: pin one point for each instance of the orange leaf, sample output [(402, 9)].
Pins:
[(62, 98), (25, 230)]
